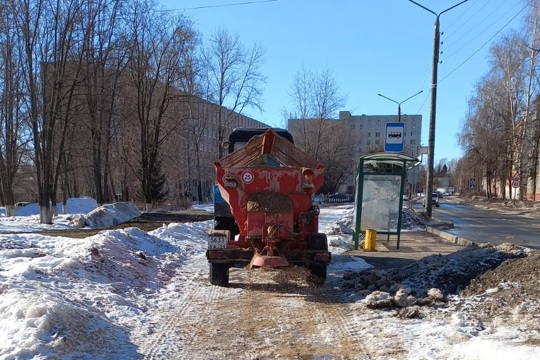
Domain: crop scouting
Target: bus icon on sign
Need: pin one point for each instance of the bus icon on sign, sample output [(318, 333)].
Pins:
[(394, 137)]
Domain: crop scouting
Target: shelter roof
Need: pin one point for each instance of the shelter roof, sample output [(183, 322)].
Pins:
[(376, 160)]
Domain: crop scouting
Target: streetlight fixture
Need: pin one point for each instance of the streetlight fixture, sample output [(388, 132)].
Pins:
[(433, 111), (400, 102)]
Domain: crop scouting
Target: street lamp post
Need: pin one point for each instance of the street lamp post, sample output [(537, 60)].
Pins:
[(433, 111), (400, 102)]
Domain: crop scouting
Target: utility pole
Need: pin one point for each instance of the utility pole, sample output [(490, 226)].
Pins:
[(399, 103), (433, 111)]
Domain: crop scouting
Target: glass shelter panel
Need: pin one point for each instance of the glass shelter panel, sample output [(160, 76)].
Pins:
[(381, 202)]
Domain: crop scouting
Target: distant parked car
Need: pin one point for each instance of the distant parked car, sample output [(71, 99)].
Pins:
[(338, 198), (21, 204), (434, 199)]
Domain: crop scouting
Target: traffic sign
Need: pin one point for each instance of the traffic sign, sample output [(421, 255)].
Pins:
[(395, 132), (516, 184)]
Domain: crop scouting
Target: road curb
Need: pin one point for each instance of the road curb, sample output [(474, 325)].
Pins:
[(446, 236)]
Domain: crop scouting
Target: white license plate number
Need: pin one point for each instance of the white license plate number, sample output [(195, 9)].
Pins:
[(217, 242)]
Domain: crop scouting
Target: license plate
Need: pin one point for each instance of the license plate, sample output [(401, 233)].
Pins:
[(217, 242)]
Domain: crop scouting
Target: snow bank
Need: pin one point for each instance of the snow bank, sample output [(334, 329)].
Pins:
[(111, 214)]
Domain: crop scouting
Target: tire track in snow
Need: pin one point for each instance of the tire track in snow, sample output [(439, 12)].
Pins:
[(176, 331), (262, 315)]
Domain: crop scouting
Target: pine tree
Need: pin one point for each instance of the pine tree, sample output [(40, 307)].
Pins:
[(157, 186)]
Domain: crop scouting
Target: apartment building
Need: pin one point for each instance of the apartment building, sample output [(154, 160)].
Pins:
[(370, 131), (369, 134)]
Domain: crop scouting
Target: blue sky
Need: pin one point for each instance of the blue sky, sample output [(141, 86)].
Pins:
[(372, 47)]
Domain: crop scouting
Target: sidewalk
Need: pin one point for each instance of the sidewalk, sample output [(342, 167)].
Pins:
[(413, 246)]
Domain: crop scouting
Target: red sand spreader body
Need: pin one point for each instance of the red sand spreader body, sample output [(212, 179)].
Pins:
[(269, 184)]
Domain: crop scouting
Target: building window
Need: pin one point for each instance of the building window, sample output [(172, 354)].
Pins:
[(369, 142), (377, 134), (413, 141), (377, 142), (369, 134)]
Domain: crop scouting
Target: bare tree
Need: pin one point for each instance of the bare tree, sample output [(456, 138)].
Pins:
[(13, 137), (47, 35), (487, 134), (498, 125), (316, 100), (529, 158), (234, 76), (315, 97), (197, 125), (105, 55), (156, 62), (337, 155)]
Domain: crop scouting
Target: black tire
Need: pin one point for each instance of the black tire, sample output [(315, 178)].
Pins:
[(317, 274), (219, 274), (317, 241)]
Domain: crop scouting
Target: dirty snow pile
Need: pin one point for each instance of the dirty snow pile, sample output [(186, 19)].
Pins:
[(431, 279), (109, 215), (70, 298), (78, 213), (504, 205)]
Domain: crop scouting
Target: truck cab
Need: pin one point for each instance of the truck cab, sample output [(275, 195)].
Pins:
[(240, 136)]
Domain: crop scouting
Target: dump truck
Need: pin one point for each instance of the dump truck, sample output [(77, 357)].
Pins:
[(268, 185), (238, 138)]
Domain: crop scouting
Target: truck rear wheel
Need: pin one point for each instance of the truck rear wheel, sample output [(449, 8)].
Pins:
[(317, 274), (317, 241), (219, 274)]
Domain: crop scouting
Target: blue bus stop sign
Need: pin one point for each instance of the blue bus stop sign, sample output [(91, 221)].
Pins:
[(393, 142)]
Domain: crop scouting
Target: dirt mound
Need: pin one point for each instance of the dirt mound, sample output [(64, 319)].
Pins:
[(512, 287), (506, 274)]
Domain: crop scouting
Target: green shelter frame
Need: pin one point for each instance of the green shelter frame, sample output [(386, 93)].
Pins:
[(380, 183)]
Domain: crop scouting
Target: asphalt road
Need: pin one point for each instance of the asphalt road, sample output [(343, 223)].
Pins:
[(493, 226)]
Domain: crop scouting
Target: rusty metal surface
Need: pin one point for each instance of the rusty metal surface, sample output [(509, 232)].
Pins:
[(277, 147), (268, 175)]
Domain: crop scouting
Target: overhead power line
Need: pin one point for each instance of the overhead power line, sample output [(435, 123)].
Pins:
[(484, 44), (225, 5), (466, 35)]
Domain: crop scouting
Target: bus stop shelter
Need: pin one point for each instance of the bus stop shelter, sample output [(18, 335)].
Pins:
[(380, 183)]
